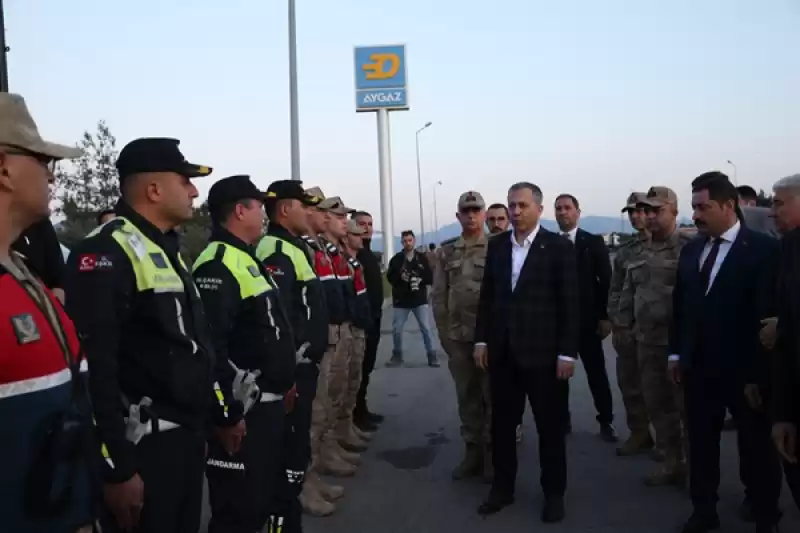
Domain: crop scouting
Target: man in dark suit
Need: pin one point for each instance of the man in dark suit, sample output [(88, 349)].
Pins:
[(594, 281), (527, 337), (724, 289)]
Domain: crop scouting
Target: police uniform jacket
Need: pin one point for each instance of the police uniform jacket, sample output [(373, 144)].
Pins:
[(43, 403), (360, 308), (249, 325), (143, 330), (286, 258), (337, 279)]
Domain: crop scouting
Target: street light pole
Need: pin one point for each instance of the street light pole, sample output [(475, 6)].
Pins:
[(419, 186), (293, 109), (3, 52), (435, 213), (735, 172)]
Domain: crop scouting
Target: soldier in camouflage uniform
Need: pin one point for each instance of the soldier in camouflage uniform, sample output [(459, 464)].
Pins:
[(646, 305), (456, 291), (628, 375)]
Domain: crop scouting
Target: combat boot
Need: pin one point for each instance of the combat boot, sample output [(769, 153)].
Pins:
[(331, 464), (348, 457), (488, 466), (348, 440), (471, 465), (313, 503), (639, 442), (360, 433), (328, 492), (670, 472)]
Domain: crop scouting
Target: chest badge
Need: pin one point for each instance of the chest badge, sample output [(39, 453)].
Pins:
[(158, 260), (25, 328)]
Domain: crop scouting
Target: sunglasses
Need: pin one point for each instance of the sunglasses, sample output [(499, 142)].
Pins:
[(50, 163)]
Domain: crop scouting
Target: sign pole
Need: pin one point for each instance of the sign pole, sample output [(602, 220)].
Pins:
[(3, 52), (293, 111), (385, 168)]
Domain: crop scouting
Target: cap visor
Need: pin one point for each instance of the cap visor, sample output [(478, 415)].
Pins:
[(57, 151), (311, 200), (652, 202), (472, 205), (629, 207), (196, 171)]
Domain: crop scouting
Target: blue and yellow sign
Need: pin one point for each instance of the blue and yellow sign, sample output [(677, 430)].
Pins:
[(381, 78)]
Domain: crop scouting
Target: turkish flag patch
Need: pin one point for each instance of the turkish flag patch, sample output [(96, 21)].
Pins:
[(87, 262)]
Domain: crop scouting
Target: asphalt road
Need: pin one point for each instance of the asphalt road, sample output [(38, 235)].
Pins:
[(404, 485)]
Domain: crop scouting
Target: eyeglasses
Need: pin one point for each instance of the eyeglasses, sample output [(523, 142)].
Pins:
[(50, 163)]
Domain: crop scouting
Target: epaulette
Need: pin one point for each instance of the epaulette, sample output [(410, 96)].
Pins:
[(447, 242)]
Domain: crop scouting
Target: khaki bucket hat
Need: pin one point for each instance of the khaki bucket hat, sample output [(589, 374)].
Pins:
[(18, 129)]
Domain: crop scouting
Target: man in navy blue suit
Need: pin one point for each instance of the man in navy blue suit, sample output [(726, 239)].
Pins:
[(724, 289)]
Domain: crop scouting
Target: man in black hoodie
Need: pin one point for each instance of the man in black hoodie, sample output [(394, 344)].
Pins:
[(373, 277)]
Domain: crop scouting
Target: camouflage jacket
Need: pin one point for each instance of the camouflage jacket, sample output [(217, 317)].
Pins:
[(624, 255), (457, 287), (645, 302)]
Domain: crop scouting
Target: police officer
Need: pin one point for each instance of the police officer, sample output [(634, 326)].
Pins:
[(456, 291), (335, 231), (147, 341), (623, 339), (645, 305), (350, 436), (255, 364), (286, 257), (327, 456), (43, 398)]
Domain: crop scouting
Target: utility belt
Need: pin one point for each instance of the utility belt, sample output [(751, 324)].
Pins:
[(142, 421), (245, 386)]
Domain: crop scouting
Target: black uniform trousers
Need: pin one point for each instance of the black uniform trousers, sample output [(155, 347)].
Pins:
[(171, 465), (373, 338), (297, 450), (706, 397), (510, 384), (590, 350), (243, 488), (791, 471)]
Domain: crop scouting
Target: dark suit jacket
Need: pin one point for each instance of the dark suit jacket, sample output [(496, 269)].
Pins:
[(729, 317), (594, 278), (539, 319), (786, 395)]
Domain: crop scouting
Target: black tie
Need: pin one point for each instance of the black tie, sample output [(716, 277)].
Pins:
[(708, 265)]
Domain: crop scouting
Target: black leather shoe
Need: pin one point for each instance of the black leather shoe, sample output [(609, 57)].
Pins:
[(746, 511), (375, 418), (494, 504), (553, 510), (701, 524), (608, 433)]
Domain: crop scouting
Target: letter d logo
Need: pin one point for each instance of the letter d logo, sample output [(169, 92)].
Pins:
[(384, 66)]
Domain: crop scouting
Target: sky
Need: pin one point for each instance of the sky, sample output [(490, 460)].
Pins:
[(592, 98)]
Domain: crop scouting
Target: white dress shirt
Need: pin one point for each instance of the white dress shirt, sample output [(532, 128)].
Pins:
[(571, 234), (725, 246), (519, 252)]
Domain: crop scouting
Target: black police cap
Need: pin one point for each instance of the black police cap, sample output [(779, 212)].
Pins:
[(152, 154), (232, 189), (290, 190)]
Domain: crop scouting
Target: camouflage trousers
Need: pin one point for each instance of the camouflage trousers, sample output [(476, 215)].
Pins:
[(663, 399), (629, 379), (355, 369), (338, 382), (320, 405), (472, 391)]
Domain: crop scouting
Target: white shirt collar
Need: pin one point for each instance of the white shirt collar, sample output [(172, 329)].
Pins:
[(732, 233), (528, 240)]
